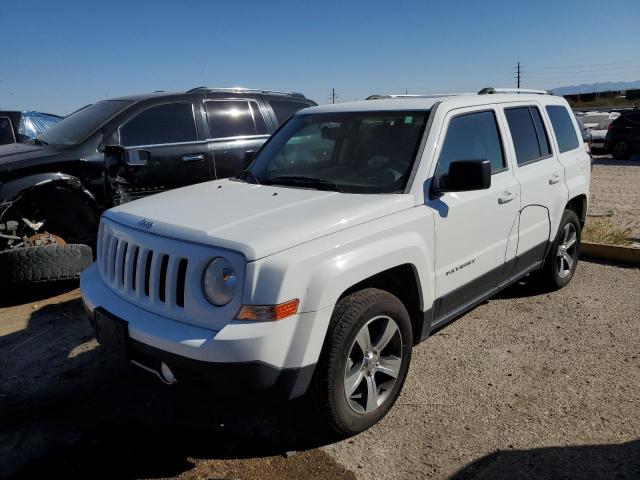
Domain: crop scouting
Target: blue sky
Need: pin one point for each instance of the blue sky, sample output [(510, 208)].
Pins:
[(61, 55)]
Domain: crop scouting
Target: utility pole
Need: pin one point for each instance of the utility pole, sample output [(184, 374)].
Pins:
[(518, 74), (333, 95)]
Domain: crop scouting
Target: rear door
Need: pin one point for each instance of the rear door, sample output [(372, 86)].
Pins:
[(162, 151), (542, 181), (236, 125), (476, 231)]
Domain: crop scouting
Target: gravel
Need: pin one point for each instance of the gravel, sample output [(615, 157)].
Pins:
[(615, 191), (527, 385)]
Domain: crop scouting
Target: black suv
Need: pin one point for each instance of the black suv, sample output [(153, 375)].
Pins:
[(623, 135), (53, 190)]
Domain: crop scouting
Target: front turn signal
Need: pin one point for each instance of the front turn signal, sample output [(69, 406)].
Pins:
[(266, 313)]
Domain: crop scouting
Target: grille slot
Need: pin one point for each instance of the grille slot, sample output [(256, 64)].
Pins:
[(182, 276), (147, 273), (164, 264)]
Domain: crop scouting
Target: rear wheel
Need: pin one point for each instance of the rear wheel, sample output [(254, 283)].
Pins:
[(562, 260), (364, 361), (621, 150)]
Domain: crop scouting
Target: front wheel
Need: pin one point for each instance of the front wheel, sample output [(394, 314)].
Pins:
[(364, 362), (562, 260), (621, 150)]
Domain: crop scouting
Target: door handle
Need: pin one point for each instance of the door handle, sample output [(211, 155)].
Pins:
[(555, 178), (506, 197), (193, 158)]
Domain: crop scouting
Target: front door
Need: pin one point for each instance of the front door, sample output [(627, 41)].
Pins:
[(235, 126), (476, 231), (161, 151)]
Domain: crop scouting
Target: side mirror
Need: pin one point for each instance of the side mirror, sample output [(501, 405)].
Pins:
[(248, 157), (136, 158), (463, 176)]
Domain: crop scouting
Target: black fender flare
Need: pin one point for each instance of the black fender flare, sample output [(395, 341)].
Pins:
[(12, 191)]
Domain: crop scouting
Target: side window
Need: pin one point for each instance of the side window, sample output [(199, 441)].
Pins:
[(472, 136), (234, 118), (6, 131), (284, 109), (169, 123), (563, 128), (529, 136)]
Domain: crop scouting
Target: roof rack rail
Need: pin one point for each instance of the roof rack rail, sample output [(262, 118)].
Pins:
[(491, 90), (245, 90), (407, 95)]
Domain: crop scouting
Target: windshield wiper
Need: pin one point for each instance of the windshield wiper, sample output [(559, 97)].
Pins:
[(247, 173), (310, 182)]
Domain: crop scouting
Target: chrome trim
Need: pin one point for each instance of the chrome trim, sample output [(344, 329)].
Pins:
[(204, 142)]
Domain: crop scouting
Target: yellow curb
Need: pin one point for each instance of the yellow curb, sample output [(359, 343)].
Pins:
[(614, 253)]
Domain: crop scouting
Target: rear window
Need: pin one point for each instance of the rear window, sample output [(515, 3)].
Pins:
[(284, 109), (528, 133), (6, 131), (563, 128), (234, 118)]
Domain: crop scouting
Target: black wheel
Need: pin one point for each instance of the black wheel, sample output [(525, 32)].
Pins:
[(562, 260), (364, 361), (41, 264), (621, 150)]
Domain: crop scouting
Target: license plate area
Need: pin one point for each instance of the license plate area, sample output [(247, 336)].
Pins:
[(112, 332)]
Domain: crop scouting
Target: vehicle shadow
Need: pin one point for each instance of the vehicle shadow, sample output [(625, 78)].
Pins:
[(10, 297), (70, 409), (589, 461), (612, 162)]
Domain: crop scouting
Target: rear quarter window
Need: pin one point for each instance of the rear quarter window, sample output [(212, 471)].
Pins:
[(563, 128), (284, 109)]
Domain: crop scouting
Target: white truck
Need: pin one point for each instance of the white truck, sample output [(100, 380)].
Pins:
[(356, 231)]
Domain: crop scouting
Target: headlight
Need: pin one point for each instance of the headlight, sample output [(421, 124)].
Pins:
[(219, 281)]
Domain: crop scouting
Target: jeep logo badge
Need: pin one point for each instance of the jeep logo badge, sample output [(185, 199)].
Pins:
[(145, 223)]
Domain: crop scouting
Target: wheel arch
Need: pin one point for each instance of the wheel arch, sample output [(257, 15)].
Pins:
[(578, 204), (51, 184), (403, 282)]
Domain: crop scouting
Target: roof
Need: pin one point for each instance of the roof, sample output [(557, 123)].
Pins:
[(233, 91), (427, 102)]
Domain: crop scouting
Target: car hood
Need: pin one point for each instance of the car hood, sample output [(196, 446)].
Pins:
[(17, 153), (256, 220)]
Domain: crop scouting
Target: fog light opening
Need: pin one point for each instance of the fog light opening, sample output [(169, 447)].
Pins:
[(166, 374)]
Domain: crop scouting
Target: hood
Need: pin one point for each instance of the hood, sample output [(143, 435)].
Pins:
[(17, 153), (256, 220)]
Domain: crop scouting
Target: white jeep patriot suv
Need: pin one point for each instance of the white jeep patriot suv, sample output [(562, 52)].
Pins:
[(357, 230)]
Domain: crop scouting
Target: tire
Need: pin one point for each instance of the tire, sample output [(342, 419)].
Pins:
[(555, 274), (371, 309), (43, 264), (621, 150)]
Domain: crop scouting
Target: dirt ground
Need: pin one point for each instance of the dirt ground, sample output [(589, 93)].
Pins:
[(615, 191), (527, 385)]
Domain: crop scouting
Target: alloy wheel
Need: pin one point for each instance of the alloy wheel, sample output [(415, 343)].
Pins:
[(567, 250), (373, 365)]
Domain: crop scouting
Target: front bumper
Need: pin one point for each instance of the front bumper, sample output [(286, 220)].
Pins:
[(242, 356)]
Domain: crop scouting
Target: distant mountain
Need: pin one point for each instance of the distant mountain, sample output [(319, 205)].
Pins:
[(595, 87)]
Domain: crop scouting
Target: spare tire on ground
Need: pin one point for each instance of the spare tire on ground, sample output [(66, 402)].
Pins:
[(43, 264)]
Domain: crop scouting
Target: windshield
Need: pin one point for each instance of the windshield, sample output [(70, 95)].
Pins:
[(78, 125), (354, 152)]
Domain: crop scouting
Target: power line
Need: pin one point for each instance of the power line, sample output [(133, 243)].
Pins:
[(518, 74), (573, 67)]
